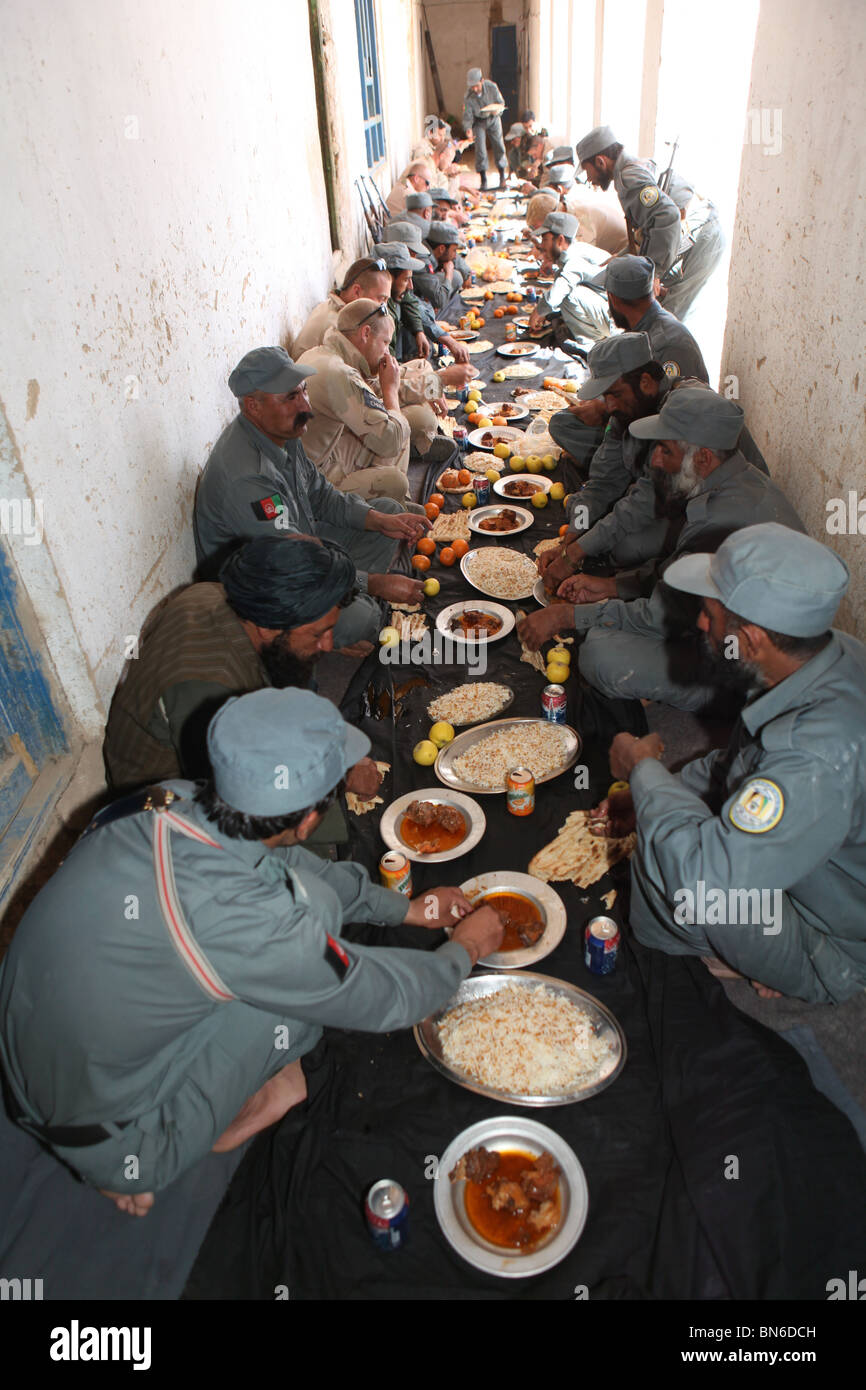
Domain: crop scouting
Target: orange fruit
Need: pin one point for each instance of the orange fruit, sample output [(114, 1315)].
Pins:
[(459, 547), (447, 556), (431, 510), (425, 546), (479, 323), (562, 530), (498, 313), (512, 309), (420, 562), (473, 418), (498, 420), (464, 476), (437, 499)]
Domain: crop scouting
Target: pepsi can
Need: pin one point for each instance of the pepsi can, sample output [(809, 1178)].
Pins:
[(461, 438), (601, 945), (532, 296), (554, 702), (481, 488), (387, 1213)]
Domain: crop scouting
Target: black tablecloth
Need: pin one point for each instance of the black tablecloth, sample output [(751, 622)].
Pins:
[(715, 1170)]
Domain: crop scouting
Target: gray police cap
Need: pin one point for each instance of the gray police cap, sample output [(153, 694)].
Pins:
[(278, 751), (444, 234), (769, 575), (629, 277), (596, 140), (397, 256), (514, 132), (443, 195), (473, 76), (560, 223), (610, 358), (407, 232), (418, 200), (268, 369), (695, 415), (563, 154), (562, 174)]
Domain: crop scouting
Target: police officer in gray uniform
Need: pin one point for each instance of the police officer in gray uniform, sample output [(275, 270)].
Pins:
[(182, 959), (258, 481), (645, 648), (652, 216), (419, 212), (757, 852), (481, 92)]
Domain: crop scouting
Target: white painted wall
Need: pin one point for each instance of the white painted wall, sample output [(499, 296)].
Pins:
[(165, 212), (795, 331)]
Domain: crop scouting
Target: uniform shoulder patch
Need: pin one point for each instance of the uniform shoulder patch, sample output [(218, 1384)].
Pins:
[(671, 368), (372, 401), (649, 195), (267, 507), (336, 957), (759, 806)]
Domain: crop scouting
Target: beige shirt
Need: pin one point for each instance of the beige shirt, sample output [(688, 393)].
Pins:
[(351, 428), (323, 317), (600, 218)]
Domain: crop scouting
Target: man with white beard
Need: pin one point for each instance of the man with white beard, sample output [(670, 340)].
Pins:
[(648, 648)]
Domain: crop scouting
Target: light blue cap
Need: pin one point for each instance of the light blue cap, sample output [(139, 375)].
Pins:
[(770, 575), (610, 358), (695, 415), (601, 137), (274, 752), (628, 277)]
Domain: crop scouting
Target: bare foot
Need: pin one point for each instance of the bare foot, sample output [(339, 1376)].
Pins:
[(764, 991), (135, 1203), (269, 1104)]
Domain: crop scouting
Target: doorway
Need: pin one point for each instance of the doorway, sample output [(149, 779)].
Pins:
[(505, 70)]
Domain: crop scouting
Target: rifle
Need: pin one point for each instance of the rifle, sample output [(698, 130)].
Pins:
[(374, 226), (664, 181), (386, 211)]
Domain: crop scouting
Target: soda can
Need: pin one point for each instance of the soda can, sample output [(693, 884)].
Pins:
[(395, 872), (554, 702), (461, 437), (520, 791), (532, 296), (601, 945), (481, 488), (510, 333), (387, 1213), (463, 395)]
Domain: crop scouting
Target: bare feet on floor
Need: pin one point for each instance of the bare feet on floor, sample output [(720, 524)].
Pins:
[(724, 972), (135, 1203), (269, 1104)]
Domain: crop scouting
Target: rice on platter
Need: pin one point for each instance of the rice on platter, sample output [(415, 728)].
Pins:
[(467, 703), (542, 747), (525, 1041), (502, 573)]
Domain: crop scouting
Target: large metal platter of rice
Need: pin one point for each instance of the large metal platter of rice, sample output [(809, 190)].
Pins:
[(473, 703), (479, 760), (524, 1038), (499, 572)]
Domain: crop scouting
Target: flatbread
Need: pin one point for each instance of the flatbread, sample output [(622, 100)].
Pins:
[(521, 369), (502, 286), (483, 345), (410, 626), (545, 545), (579, 855), (451, 526), (544, 401), (534, 659), (359, 807)]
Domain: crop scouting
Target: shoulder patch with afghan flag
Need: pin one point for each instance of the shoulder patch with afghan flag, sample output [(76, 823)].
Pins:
[(336, 957), (649, 195), (671, 369), (268, 507), (759, 807)]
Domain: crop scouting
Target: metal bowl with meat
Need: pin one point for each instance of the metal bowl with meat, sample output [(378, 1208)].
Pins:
[(431, 828), (499, 520), (511, 1196), (477, 621)]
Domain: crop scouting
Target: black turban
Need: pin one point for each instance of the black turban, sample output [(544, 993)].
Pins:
[(283, 582)]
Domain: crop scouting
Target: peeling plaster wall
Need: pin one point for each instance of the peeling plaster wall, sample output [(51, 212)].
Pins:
[(460, 30), (168, 214), (795, 330)]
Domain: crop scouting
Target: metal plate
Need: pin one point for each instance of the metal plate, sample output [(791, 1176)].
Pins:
[(542, 484), (476, 516), (605, 1026), (444, 764), (539, 593), (389, 825), (463, 335), (507, 434), (545, 898), (518, 350), (509, 1132), (465, 723), (464, 570), (515, 412), (478, 605)]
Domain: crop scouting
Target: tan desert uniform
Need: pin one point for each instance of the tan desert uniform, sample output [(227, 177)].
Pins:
[(354, 441), (600, 218), (323, 317)]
